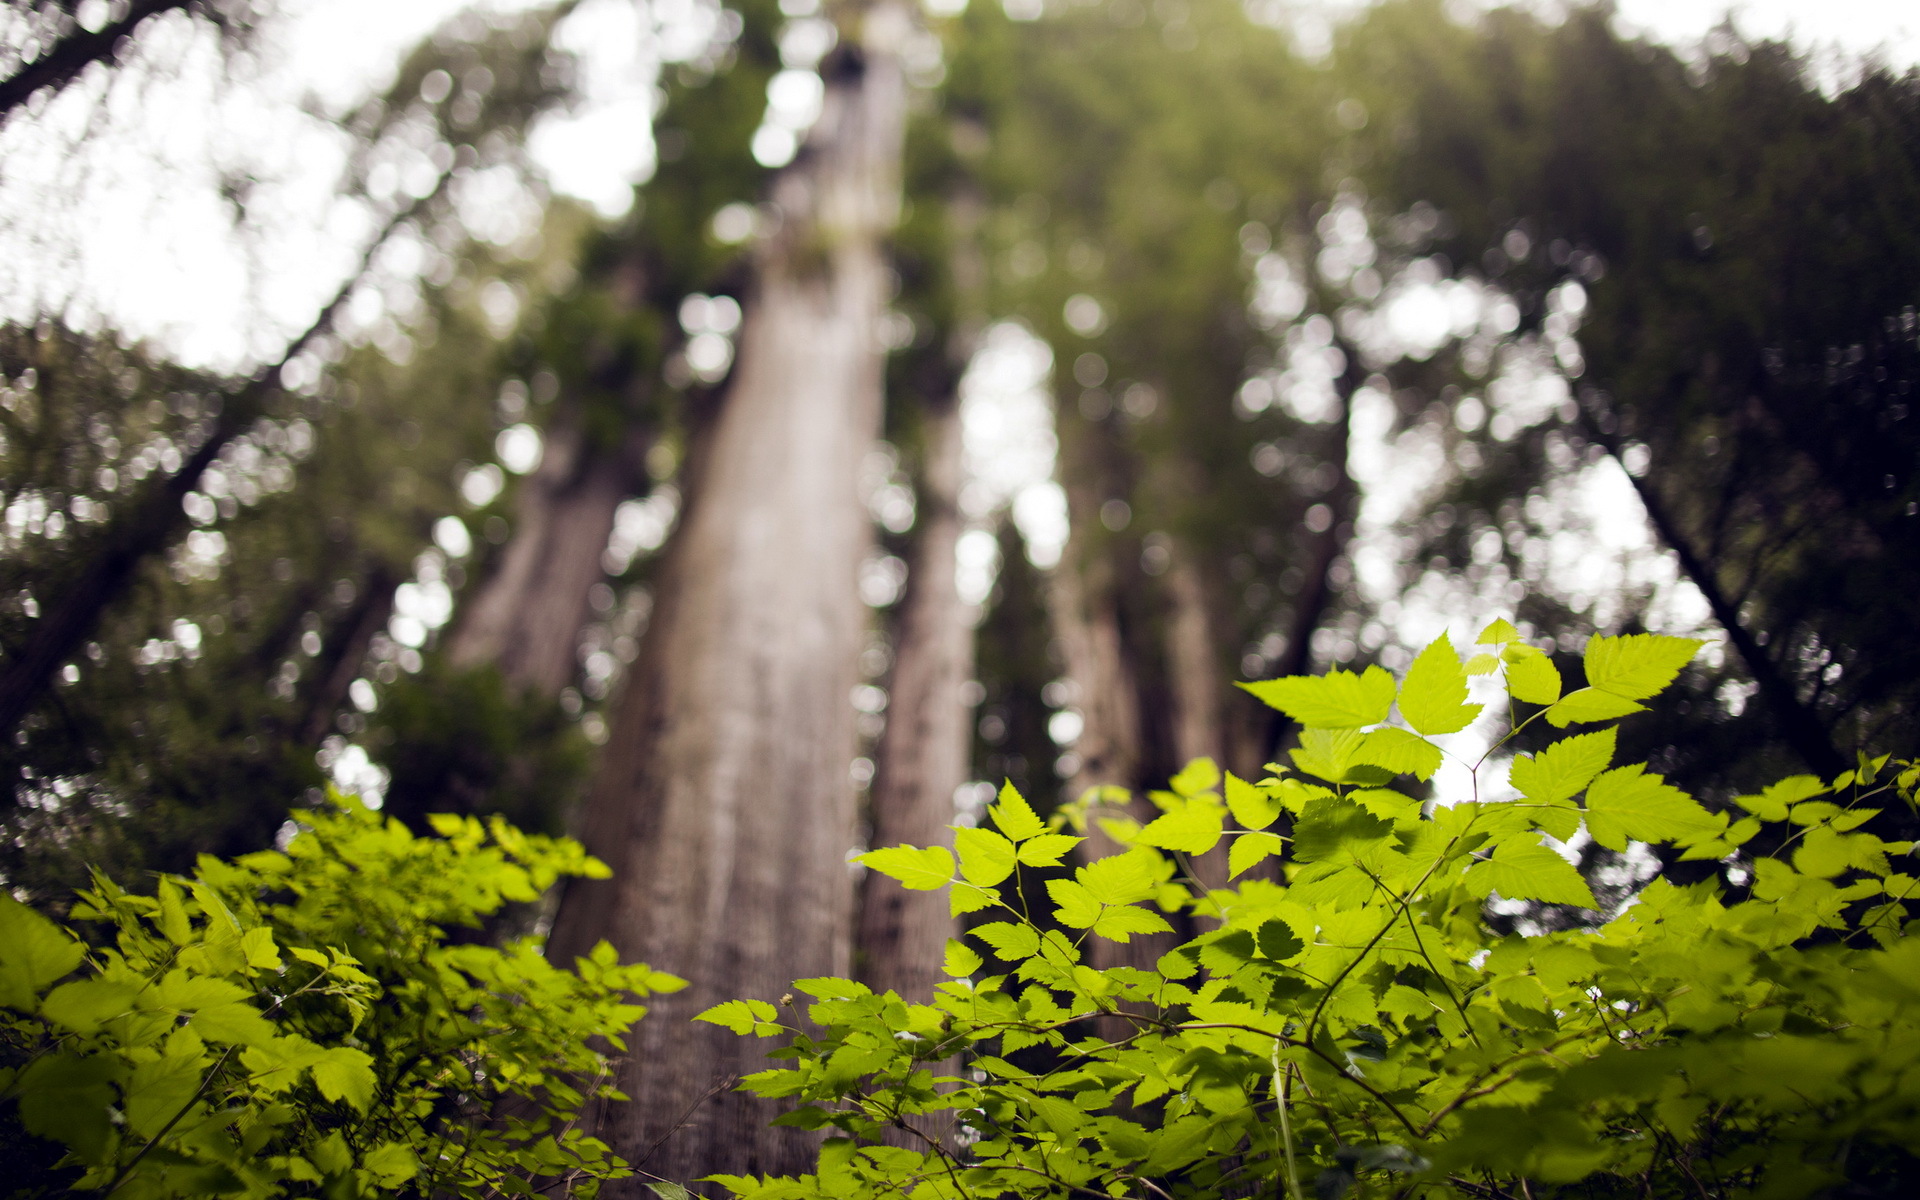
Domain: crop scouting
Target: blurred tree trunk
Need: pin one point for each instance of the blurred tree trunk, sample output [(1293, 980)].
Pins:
[(723, 802), (346, 651), (1199, 687), (526, 615), (923, 753)]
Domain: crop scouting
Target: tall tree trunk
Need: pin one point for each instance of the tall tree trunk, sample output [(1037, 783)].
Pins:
[(723, 802), (1199, 687), (527, 615), (922, 757), (1086, 623)]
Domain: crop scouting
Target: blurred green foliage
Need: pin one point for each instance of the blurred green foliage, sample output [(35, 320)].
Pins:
[(303, 1022), (1357, 1026)]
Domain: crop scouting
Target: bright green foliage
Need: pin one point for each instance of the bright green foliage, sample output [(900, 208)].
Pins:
[(297, 1023), (1355, 1022)]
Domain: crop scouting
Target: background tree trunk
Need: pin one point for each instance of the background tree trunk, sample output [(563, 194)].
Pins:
[(526, 616), (923, 752), (723, 803)]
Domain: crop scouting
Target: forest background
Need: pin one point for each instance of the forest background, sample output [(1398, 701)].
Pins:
[(962, 396)]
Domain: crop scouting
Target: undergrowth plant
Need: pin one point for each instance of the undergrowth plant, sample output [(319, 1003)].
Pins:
[(1353, 1021), (303, 1023)]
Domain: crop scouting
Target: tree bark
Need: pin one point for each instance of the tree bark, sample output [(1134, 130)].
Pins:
[(527, 614), (723, 802), (1199, 688), (922, 757)]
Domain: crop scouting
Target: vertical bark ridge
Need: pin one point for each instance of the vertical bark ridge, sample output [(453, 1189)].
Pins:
[(922, 756), (723, 802), (527, 615), (1198, 686)]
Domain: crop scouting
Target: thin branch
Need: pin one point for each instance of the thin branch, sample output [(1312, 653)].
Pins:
[(67, 58), (1804, 730), (156, 521)]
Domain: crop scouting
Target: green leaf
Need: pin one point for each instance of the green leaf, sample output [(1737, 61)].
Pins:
[(966, 898), (1226, 951), (1278, 941), (1497, 633), (1121, 923), (1200, 775), (237, 1023), (346, 1074), (68, 1098), (1121, 878), (742, 1017), (1523, 869), (1433, 696), (83, 1005), (1251, 806), (1562, 769), (1532, 677), (258, 946), (1629, 803), (1181, 1142), (1638, 665), (1076, 906), (1249, 850), (1057, 1115), (1336, 700), (391, 1164), (1014, 815), (1398, 751), (1328, 754), (1384, 802), (1824, 854), (159, 1089), (1009, 941), (173, 920), (961, 960), (986, 858), (1047, 849), (331, 1154), (1588, 705), (1333, 825), (1194, 827), (1772, 803), (34, 952), (917, 869)]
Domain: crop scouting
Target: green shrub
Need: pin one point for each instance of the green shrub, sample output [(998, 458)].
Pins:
[(299, 1023), (1357, 1023)]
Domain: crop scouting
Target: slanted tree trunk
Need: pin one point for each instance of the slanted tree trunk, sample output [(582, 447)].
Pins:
[(922, 757), (723, 802), (527, 614), (346, 652), (150, 523)]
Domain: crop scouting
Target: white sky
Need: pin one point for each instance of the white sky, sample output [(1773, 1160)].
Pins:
[(1853, 26), (149, 244)]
